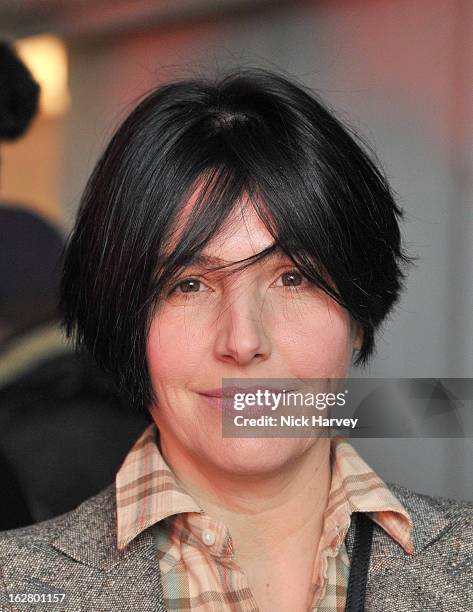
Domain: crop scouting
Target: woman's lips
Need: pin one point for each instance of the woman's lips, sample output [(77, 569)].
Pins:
[(230, 390), (226, 404), (212, 401), (218, 402)]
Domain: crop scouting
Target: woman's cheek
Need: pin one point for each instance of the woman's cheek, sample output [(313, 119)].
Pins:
[(321, 348), (174, 346)]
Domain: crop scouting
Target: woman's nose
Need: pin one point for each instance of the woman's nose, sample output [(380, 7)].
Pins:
[(241, 334)]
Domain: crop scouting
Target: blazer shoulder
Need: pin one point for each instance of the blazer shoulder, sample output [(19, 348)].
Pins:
[(449, 506), (438, 573), (75, 554), (22, 550), (38, 537), (31, 536)]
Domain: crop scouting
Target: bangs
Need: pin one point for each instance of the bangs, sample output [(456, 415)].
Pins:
[(205, 210)]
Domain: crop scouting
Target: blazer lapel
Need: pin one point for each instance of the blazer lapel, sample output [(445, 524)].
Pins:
[(389, 561), (131, 575)]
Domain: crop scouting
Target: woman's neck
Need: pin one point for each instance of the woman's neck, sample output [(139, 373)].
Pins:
[(284, 508)]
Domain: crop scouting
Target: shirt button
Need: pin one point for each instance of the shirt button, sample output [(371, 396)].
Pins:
[(208, 537)]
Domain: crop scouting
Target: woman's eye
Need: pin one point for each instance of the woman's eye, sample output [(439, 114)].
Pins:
[(189, 285), (293, 278)]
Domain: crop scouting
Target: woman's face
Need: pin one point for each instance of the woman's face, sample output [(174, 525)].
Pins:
[(260, 322)]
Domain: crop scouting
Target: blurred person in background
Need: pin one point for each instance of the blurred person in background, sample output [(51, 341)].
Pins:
[(62, 430)]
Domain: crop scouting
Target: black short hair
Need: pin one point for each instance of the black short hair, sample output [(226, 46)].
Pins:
[(250, 131)]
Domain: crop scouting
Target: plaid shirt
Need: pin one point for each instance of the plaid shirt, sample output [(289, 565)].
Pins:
[(195, 555)]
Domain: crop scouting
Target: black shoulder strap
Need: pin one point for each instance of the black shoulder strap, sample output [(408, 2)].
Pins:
[(360, 561)]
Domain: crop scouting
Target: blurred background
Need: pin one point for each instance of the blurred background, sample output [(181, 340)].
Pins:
[(398, 71)]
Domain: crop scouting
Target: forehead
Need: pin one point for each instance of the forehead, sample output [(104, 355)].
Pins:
[(242, 235)]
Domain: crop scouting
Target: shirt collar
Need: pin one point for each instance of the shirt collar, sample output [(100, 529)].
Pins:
[(146, 489), (355, 487), (147, 492)]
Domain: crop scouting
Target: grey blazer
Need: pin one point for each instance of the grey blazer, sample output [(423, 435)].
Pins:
[(75, 555)]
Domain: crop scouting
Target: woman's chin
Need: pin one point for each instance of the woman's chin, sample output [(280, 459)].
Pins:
[(247, 456)]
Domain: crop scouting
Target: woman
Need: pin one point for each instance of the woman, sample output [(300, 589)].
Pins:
[(235, 229)]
